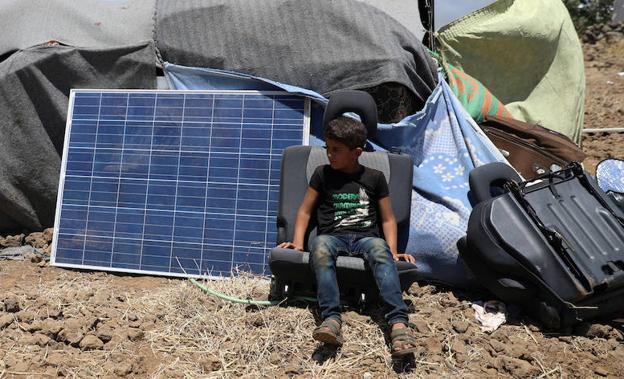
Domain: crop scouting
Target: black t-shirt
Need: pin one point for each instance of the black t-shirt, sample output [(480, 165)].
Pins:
[(348, 202)]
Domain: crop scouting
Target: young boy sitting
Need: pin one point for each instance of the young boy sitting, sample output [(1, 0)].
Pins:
[(349, 199)]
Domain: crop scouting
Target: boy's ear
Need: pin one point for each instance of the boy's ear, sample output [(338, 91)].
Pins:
[(359, 151)]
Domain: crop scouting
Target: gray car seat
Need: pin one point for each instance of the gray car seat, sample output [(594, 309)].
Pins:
[(292, 275)]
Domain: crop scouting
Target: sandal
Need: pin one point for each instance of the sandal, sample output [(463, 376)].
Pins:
[(329, 332), (403, 342)]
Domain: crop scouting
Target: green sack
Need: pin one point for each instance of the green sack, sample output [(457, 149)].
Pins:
[(527, 53)]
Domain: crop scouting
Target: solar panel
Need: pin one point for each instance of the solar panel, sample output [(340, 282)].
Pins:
[(180, 183)]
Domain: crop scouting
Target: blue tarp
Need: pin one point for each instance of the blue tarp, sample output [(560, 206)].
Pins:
[(444, 143)]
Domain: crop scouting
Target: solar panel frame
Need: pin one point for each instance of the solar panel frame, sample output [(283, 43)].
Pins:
[(63, 176)]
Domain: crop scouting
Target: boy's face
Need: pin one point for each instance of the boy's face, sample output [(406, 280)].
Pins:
[(341, 156)]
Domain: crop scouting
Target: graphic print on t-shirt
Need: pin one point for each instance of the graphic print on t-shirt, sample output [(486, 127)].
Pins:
[(351, 209)]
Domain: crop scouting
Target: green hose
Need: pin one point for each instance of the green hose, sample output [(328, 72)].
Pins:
[(246, 301)]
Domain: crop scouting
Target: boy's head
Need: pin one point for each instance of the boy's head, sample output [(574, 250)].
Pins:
[(345, 139), (347, 131)]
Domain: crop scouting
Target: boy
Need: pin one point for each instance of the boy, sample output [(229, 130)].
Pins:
[(349, 198)]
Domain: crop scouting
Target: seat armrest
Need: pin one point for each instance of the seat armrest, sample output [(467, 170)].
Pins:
[(293, 256)]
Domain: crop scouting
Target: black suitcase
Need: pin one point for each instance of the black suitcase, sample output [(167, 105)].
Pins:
[(554, 245)]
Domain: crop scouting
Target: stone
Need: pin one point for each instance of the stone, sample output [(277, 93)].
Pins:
[(91, 342), (40, 339), (431, 345), (25, 316), (34, 327), (6, 320), (50, 328), (55, 313), (105, 333), (86, 295), (135, 334), (119, 336), (460, 326), (292, 369), (210, 363), (100, 298), (421, 327), (70, 336), (11, 305), (48, 234), (518, 367), (36, 240), (23, 366), (593, 330), (461, 357), (123, 368), (275, 358), (458, 347), (601, 371), (12, 241), (32, 257)]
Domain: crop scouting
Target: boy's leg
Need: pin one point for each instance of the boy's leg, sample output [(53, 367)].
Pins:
[(323, 253), (379, 258)]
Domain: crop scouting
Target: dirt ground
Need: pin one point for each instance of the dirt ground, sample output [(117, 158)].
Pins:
[(604, 99), (57, 322)]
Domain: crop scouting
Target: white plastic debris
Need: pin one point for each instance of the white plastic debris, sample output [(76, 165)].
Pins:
[(490, 315), (621, 74)]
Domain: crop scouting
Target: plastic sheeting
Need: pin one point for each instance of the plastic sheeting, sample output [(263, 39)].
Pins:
[(610, 175), (527, 53), (323, 45), (445, 145), (48, 47)]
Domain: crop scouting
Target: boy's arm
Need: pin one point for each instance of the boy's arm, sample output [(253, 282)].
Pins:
[(302, 220), (389, 226)]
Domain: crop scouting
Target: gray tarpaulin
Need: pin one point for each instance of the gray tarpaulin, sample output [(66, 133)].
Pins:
[(323, 45), (34, 88), (84, 23), (404, 11)]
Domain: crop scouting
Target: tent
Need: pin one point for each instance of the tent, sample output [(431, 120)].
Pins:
[(316, 48), (50, 47), (527, 53)]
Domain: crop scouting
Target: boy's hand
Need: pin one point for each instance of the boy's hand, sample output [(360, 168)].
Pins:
[(404, 257), (290, 245)]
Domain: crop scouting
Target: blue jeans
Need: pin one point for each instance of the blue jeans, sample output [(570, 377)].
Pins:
[(324, 250)]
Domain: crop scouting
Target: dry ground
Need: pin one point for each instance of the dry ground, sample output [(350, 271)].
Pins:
[(604, 99), (56, 322)]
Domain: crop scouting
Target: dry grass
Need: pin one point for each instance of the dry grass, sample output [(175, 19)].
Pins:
[(166, 328), (249, 341), (188, 333)]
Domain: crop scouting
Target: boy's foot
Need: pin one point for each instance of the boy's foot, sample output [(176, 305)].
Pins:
[(403, 342), (329, 332)]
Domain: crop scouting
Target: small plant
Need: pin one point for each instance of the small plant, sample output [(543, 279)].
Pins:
[(586, 13)]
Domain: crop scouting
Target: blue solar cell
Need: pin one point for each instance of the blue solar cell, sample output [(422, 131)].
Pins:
[(171, 182)]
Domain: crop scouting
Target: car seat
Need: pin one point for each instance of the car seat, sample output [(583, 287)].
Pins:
[(292, 274)]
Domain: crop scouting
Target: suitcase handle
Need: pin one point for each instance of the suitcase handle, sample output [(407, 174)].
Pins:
[(487, 181)]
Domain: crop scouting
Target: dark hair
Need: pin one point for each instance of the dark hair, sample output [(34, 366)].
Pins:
[(346, 130)]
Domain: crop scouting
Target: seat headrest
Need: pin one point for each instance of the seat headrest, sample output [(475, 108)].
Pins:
[(358, 102)]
